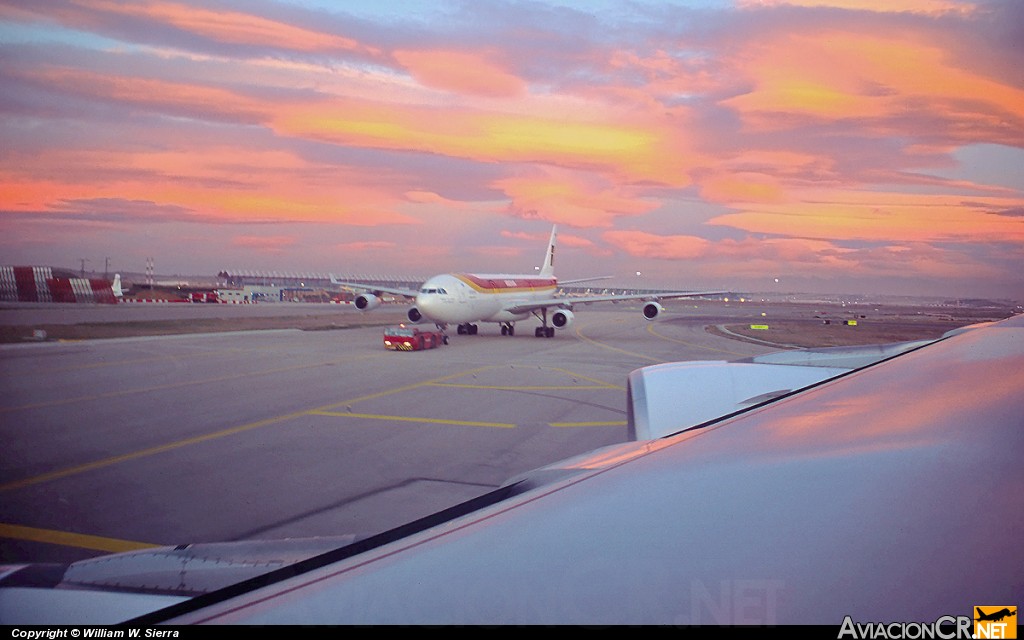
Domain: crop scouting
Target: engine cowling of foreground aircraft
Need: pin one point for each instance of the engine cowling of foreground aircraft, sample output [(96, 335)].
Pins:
[(414, 315), (367, 301), (562, 318), (652, 310)]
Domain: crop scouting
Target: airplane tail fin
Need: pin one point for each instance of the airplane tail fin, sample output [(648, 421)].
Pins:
[(116, 286), (549, 259)]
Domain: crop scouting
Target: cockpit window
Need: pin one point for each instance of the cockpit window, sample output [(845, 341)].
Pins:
[(429, 290)]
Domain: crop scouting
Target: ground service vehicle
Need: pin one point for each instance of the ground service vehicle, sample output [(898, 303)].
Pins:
[(403, 338)]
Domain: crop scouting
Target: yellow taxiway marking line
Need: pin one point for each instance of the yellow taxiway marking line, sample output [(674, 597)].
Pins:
[(440, 382), (144, 453), (594, 383), (538, 387), (579, 333), (610, 423), (650, 330), (114, 363), (408, 387), (80, 540), (173, 357), (373, 416), (602, 383), (170, 446), (164, 387)]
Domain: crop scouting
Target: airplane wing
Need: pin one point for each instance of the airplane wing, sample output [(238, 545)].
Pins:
[(567, 302), (883, 491), (590, 279), (731, 387), (374, 289)]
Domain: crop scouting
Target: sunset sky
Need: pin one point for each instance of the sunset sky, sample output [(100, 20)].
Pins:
[(839, 146)]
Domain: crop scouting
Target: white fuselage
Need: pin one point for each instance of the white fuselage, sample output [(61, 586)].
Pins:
[(467, 298)]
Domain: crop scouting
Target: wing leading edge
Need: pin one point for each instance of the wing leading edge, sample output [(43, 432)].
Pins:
[(564, 302), (376, 290)]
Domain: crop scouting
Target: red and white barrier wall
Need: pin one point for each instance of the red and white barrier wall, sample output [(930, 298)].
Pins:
[(38, 284)]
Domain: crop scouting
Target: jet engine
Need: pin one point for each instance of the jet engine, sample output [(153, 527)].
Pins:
[(562, 318), (414, 315), (367, 301), (652, 310)]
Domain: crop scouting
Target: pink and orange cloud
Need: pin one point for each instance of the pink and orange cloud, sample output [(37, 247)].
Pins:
[(803, 136)]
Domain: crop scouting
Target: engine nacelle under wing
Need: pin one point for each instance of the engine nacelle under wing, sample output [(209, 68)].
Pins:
[(367, 301), (652, 310), (414, 315), (562, 318), (667, 398)]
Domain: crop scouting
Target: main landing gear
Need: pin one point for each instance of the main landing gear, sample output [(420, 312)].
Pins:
[(509, 329), (543, 331)]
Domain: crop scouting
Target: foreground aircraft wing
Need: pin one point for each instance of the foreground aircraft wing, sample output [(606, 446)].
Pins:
[(883, 491), (567, 302), (731, 387)]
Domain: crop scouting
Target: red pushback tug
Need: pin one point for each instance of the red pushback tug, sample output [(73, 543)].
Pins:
[(403, 338)]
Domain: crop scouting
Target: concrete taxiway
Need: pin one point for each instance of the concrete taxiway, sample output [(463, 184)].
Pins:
[(112, 445)]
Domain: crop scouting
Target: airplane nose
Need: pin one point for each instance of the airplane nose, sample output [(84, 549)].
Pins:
[(426, 304), (432, 307)]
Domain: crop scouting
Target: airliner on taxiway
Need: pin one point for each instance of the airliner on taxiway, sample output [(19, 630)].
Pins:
[(463, 299)]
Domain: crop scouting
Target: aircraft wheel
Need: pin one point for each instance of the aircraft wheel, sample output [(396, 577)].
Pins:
[(511, 330), (549, 332), (462, 329), (538, 332), (504, 330)]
